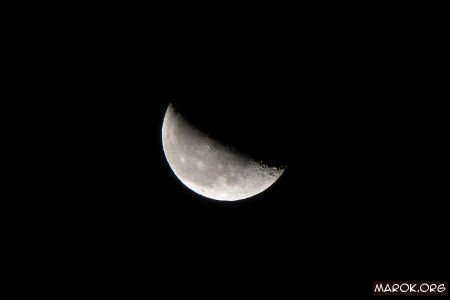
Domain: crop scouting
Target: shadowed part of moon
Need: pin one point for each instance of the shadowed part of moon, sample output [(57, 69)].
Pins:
[(210, 168)]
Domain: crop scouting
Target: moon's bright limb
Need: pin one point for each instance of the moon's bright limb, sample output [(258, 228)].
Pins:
[(208, 167)]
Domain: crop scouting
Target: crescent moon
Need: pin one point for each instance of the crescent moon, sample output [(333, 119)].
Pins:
[(209, 167)]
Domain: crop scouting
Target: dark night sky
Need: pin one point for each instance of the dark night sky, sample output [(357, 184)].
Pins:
[(363, 189), (356, 116)]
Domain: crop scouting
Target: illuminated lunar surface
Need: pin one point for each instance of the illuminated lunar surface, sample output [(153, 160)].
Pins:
[(210, 168)]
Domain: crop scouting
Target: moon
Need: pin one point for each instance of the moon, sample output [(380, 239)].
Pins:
[(210, 168)]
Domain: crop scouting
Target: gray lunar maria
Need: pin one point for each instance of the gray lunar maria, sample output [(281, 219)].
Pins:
[(210, 168)]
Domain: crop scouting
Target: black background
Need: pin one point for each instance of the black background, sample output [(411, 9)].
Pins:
[(354, 109)]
